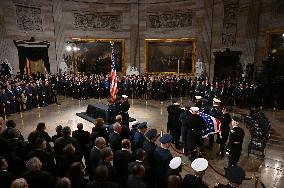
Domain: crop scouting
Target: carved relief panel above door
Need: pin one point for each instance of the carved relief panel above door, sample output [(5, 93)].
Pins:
[(230, 22), (91, 21), (175, 19), (29, 18)]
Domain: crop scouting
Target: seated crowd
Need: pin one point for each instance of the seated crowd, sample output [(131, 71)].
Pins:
[(110, 156)]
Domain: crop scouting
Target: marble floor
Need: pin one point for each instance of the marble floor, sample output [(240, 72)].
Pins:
[(269, 170)]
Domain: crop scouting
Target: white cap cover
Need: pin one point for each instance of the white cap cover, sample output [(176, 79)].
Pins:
[(198, 97), (216, 100), (175, 163), (199, 164), (194, 109)]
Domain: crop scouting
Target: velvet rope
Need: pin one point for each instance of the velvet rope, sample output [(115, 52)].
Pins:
[(214, 169)]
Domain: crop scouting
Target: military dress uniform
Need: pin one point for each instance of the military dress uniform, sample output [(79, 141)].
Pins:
[(194, 134), (215, 112), (123, 111), (236, 138), (162, 157), (139, 137), (225, 130)]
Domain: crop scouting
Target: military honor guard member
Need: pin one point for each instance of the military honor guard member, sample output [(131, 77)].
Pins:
[(226, 120), (196, 125), (199, 166), (175, 167), (198, 101), (123, 110), (162, 157), (139, 136), (215, 112), (236, 139), (150, 146), (235, 175)]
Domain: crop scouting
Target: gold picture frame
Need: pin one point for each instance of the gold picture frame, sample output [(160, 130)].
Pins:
[(191, 42), (268, 34), (106, 40)]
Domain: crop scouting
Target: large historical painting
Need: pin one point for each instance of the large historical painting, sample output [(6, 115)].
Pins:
[(95, 55), (170, 55), (29, 18)]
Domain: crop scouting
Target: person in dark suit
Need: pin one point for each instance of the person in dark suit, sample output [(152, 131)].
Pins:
[(75, 174), (139, 136), (102, 181), (15, 145), (96, 155), (235, 175), (121, 159), (67, 159), (174, 124), (236, 139), (199, 166), (140, 156), (115, 138), (100, 130), (16, 152), (40, 133), (135, 180), (35, 177), (10, 124), (60, 143), (162, 157), (59, 133), (107, 158), (184, 119), (83, 138), (6, 178), (225, 130), (125, 132), (46, 159)]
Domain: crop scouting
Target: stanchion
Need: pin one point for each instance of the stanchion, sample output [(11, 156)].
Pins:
[(256, 181), (5, 115)]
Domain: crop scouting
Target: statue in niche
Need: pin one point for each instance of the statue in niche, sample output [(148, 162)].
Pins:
[(132, 71)]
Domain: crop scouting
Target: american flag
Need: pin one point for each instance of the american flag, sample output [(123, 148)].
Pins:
[(212, 125), (113, 86)]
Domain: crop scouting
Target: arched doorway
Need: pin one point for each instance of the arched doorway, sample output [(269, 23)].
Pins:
[(227, 63)]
